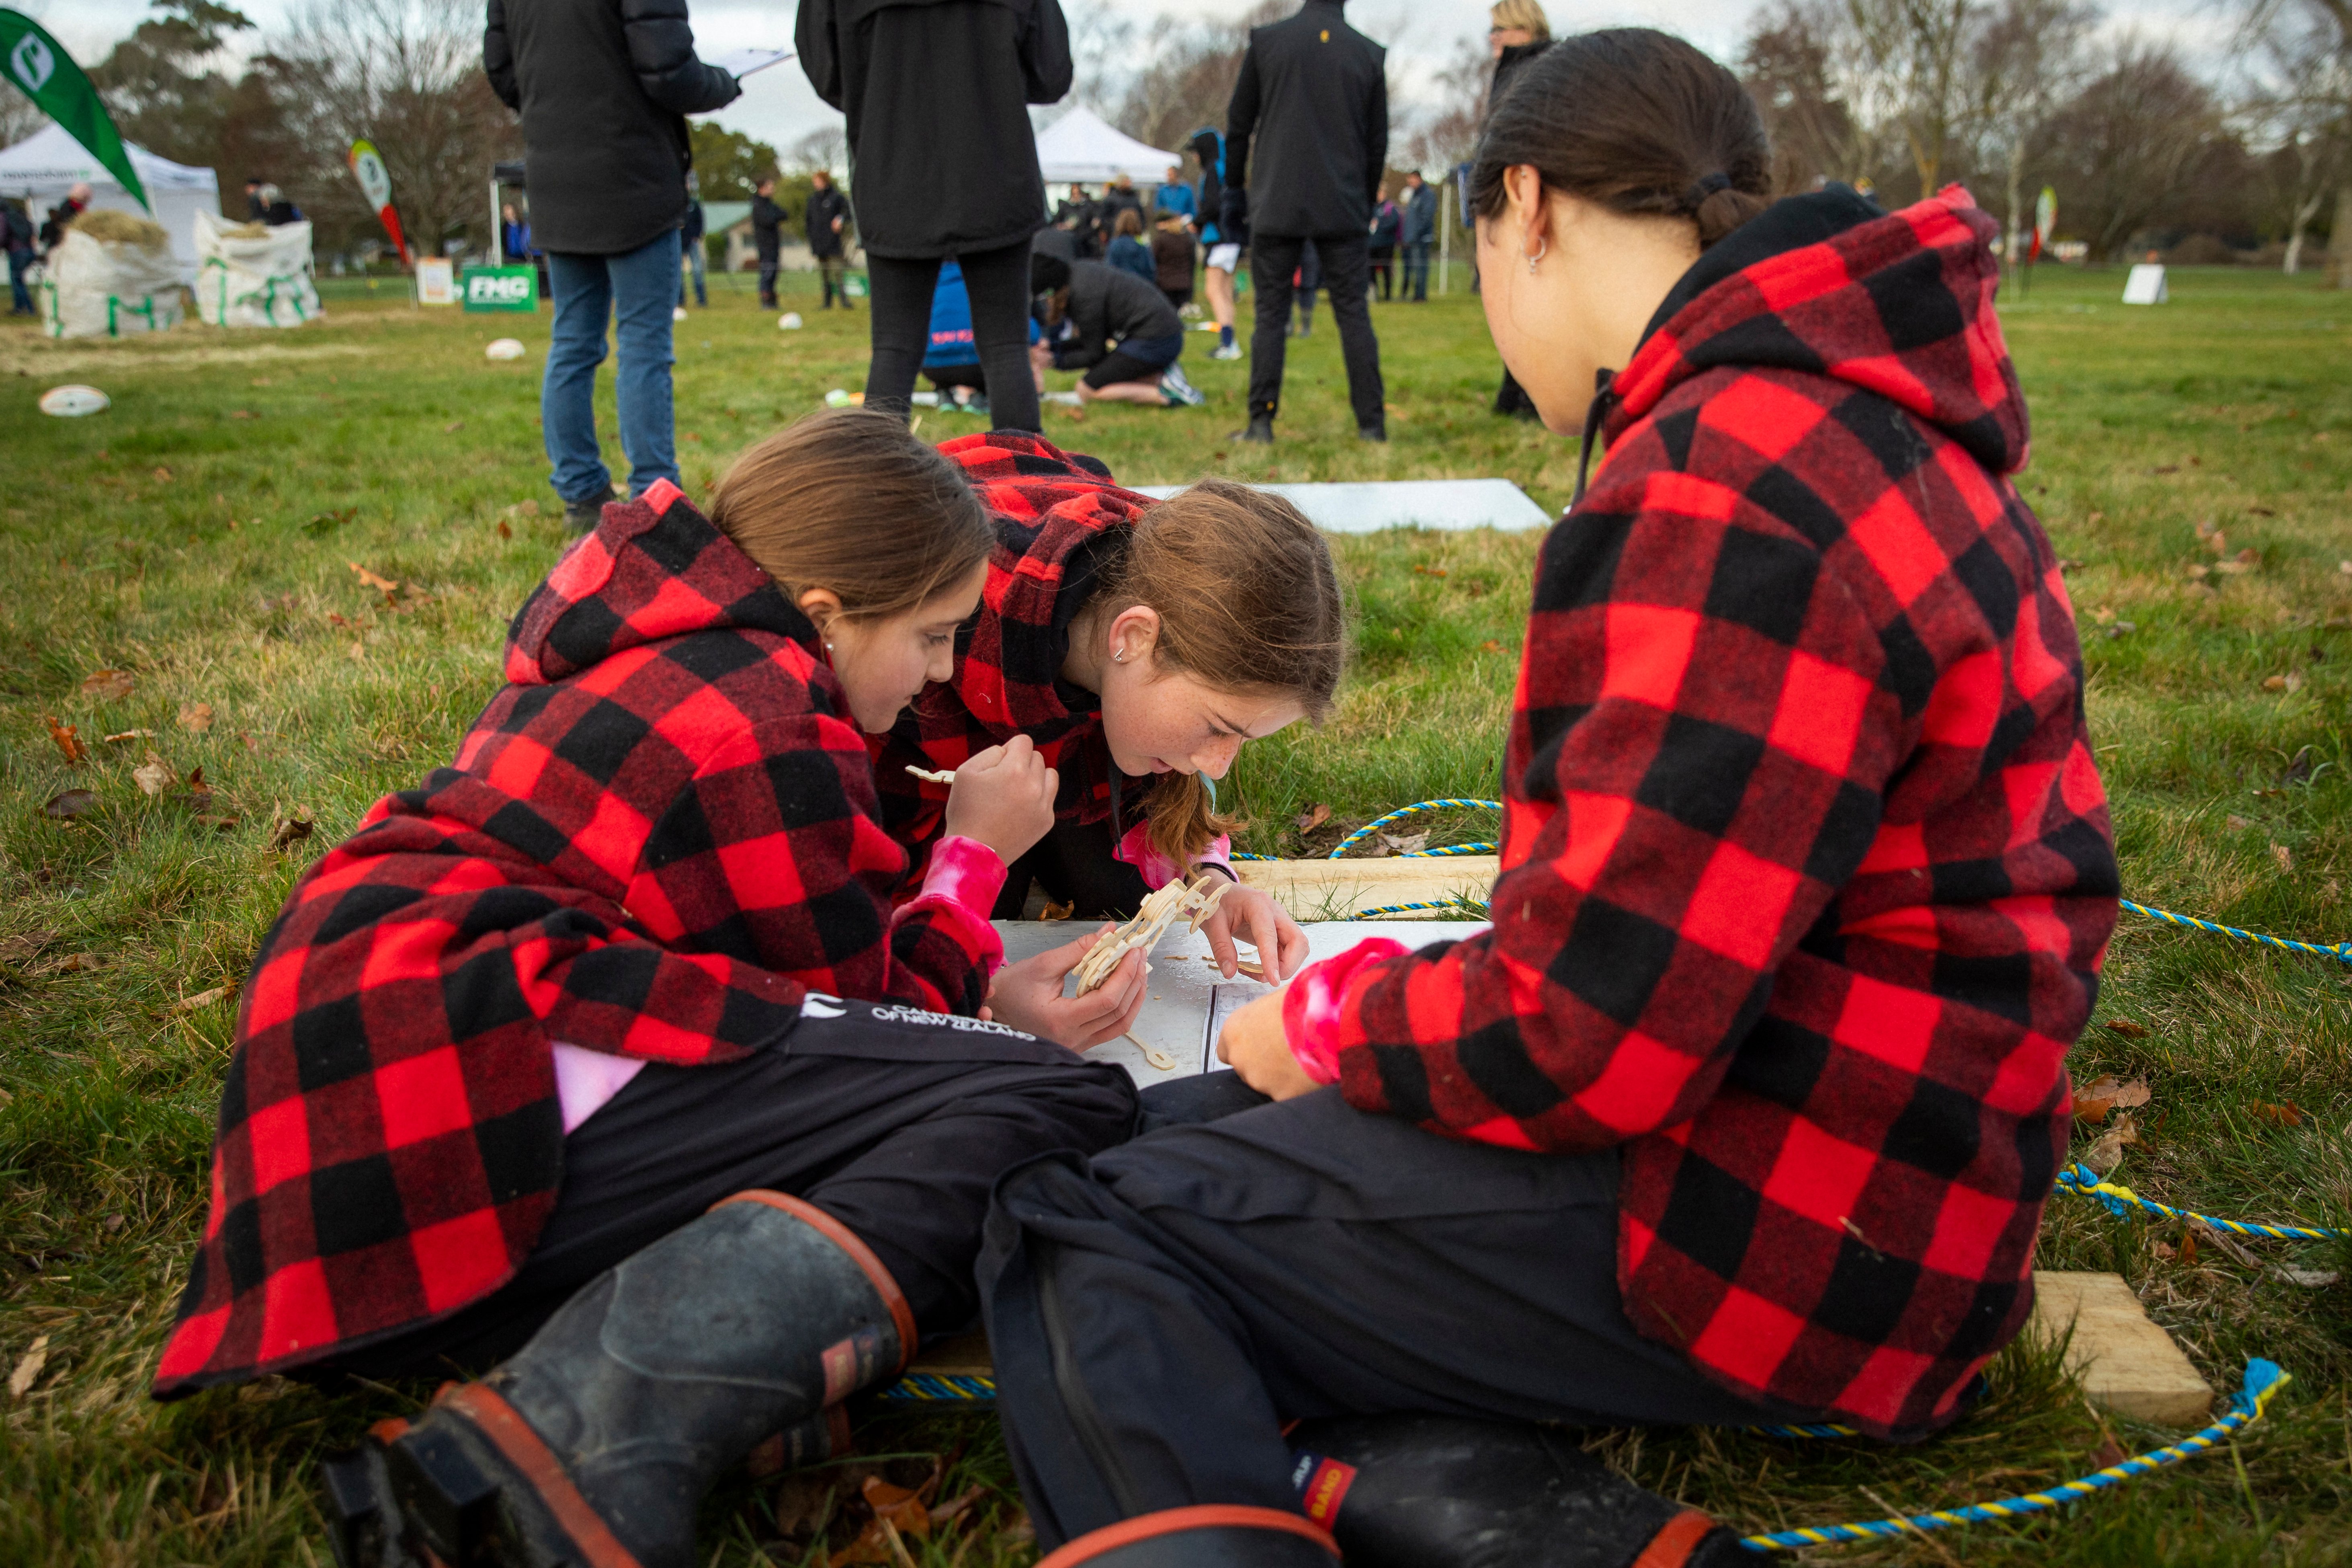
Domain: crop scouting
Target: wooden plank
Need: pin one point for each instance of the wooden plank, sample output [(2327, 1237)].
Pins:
[(2126, 1362), (964, 1355), (1334, 889)]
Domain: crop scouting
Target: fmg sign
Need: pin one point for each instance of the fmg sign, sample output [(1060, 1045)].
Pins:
[(500, 289)]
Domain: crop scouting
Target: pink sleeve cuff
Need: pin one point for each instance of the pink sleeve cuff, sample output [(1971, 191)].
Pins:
[(1310, 1007), (964, 876), (1137, 850)]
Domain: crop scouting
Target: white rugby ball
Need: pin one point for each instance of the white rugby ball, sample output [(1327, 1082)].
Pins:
[(73, 402), (505, 348), (790, 321)]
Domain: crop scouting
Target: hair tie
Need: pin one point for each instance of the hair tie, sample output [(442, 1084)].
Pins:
[(1705, 187)]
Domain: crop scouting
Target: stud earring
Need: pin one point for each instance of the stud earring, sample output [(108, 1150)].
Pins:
[(828, 648), (1120, 658)]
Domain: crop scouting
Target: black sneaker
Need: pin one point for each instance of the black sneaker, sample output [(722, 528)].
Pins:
[(582, 515), (1261, 430), (1377, 431)]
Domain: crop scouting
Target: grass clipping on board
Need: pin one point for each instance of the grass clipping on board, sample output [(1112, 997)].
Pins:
[(122, 229)]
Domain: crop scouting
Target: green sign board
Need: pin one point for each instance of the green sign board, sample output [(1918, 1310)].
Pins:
[(499, 289)]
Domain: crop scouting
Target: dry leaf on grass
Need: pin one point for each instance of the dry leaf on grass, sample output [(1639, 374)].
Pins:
[(1313, 817), (68, 804), (154, 776), (197, 717), (290, 831), (2283, 856), (1431, 571), (2127, 1028), (2287, 1115), (381, 584), (2309, 1278), (119, 735), (2092, 1104), (1053, 911), (28, 1368), (504, 532), (2226, 1243), (2236, 824), (114, 685), (202, 999), (2105, 1155), (1490, 646), (1405, 843), (68, 740)]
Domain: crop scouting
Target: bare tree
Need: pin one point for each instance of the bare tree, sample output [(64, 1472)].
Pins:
[(2312, 40), (407, 75), (825, 148), (2127, 145), (1920, 51), (1795, 65), (2029, 59), (2297, 106)]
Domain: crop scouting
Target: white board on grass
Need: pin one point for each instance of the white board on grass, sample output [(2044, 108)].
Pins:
[(1185, 997), (1373, 505), (2145, 285)]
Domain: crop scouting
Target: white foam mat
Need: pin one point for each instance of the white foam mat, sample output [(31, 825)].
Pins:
[(1372, 505)]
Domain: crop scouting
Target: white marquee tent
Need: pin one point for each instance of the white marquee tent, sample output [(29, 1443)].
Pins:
[(47, 165), (1079, 147)]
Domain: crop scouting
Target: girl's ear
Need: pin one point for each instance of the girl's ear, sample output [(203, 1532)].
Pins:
[(820, 606), (1523, 189), (1134, 632)]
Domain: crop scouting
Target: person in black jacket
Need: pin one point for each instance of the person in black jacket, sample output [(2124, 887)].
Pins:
[(1313, 96), (1116, 327), (604, 88), (61, 217), (767, 236), (827, 225), (18, 224), (937, 97)]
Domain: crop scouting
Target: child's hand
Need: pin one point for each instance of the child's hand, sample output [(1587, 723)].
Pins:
[(1003, 798), (1028, 995), (1254, 1042), (1251, 913)]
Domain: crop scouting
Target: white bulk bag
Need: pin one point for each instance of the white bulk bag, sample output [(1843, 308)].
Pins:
[(108, 288), (256, 280)]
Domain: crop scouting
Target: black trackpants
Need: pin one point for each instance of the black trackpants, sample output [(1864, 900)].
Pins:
[(895, 1122), (1075, 866), (998, 284), (1273, 259), (1159, 1312)]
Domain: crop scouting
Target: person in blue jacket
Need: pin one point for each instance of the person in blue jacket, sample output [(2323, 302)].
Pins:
[(1174, 196), (951, 358)]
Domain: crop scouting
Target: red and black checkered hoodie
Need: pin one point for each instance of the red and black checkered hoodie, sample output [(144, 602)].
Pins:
[(655, 841), (1060, 521), (1807, 870)]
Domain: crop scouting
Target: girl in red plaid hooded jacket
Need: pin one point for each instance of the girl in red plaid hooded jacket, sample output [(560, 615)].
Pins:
[(1745, 1108), (603, 1058)]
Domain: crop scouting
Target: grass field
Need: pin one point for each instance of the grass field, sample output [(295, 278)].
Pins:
[(206, 537)]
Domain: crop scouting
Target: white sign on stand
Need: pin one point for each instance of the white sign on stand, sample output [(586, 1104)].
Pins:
[(436, 280), (2145, 285)]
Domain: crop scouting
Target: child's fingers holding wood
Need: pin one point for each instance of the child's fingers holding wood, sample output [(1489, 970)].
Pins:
[(1004, 799)]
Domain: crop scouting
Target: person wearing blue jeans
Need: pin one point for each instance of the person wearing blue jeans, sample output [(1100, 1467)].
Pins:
[(637, 288), (604, 88)]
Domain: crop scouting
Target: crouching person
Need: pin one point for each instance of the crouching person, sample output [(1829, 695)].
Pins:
[(1745, 1108), (1116, 327), (603, 1059)]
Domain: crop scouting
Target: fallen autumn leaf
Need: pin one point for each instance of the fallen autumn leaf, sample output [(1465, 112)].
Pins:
[(68, 740), (197, 717), (111, 684), (28, 1368), (68, 804), (154, 776)]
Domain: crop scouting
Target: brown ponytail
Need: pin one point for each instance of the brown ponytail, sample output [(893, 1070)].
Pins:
[(1637, 121), (852, 500), (1248, 601)]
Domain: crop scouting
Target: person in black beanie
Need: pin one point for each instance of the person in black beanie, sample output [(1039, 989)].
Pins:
[(936, 96), (767, 236), (1313, 97)]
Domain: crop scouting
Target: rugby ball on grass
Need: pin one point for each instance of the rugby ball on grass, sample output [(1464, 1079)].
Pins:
[(790, 321), (505, 348), (73, 402)]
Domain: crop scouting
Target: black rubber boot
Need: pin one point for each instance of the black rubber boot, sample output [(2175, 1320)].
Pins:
[(593, 1445), (1211, 1535), (1376, 431), (1438, 1492), (1261, 430)]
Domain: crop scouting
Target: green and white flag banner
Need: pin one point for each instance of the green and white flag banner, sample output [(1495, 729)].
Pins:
[(39, 65)]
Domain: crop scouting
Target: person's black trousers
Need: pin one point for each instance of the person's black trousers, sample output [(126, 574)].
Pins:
[(1159, 1312), (1345, 259), (1384, 271), (768, 266), (894, 1122), (1075, 865), (998, 284)]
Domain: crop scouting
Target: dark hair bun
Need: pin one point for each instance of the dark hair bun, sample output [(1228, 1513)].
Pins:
[(1636, 121)]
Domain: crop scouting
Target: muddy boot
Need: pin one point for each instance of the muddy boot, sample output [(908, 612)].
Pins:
[(593, 1445), (1212, 1535), (1438, 1492)]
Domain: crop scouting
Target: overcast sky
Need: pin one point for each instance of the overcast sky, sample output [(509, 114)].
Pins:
[(778, 107)]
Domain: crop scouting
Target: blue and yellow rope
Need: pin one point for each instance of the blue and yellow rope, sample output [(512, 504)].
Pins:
[(2263, 1380), (2120, 1200), (1449, 804), (2341, 952)]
